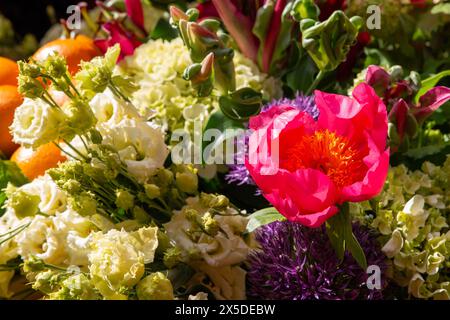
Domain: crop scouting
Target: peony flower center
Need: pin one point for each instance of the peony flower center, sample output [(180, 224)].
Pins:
[(334, 155)]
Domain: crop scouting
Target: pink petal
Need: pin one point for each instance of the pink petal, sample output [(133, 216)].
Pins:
[(378, 78), (135, 12), (373, 182), (399, 114), (118, 35), (431, 101)]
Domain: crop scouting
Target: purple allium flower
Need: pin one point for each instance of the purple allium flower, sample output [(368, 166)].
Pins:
[(299, 263), (301, 102), (238, 173)]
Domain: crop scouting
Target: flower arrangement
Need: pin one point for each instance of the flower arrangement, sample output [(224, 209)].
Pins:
[(229, 150)]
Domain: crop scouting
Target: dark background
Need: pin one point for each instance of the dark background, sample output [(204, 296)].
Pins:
[(30, 16)]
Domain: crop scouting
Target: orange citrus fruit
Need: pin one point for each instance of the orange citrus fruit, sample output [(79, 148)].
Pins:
[(8, 72), (10, 99), (75, 50), (34, 163)]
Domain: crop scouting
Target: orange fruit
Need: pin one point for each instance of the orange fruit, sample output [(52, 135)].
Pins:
[(10, 99), (9, 71), (34, 163), (75, 50)]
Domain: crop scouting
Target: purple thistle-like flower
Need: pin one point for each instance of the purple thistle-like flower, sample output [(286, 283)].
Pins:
[(299, 263), (238, 173), (301, 102)]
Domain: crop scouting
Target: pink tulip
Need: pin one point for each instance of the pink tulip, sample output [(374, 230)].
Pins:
[(307, 168)]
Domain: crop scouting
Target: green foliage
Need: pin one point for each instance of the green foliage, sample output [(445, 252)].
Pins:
[(262, 217)]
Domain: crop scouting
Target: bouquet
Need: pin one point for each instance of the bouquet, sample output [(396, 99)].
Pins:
[(230, 150)]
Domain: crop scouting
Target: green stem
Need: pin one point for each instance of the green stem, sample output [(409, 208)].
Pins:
[(70, 83), (64, 151), (76, 150), (315, 83), (117, 92)]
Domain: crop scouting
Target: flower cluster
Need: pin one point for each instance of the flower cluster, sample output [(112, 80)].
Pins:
[(298, 263), (158, 67), (412, 216), (211, 237)]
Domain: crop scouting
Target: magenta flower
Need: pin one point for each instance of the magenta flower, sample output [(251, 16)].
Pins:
[(127, 41), (136, 13), (306, 168)]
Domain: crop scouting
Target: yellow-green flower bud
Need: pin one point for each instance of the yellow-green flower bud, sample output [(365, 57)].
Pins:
[(218, 202), (47, 281), (124, 199), (152, 191), (165, 177), (140, 215), (29, 69), (163, 242), (85, 204), (155, 287), (210, 225), (55, 66), (24, 204), (72, 186), (76, 287), (33, 264), (172, 257), (80, 117), (187, 182), (30, 88), (192, 215)]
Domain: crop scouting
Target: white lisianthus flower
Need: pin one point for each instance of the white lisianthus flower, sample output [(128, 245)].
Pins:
[(8, 251), (227, 282), (225, 248), (52, 199), (108, 109), (140, 145), (41, 240), (36, 123), (117, 259), (49, 238), (198, 296)]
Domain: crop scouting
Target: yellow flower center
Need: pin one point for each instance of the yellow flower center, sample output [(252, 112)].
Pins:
[(334, 155)]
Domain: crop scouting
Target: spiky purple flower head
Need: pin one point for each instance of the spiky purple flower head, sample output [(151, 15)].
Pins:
[(238, 173), (299, 263)]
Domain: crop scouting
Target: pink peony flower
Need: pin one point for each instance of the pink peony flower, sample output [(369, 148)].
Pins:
[(306, 168)]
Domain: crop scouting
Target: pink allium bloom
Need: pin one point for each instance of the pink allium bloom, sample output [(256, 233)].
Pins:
[(320, 164)]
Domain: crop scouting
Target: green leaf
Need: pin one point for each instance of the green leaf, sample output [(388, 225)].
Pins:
[(284, 40), (335, 232), (241, 104), (305, 9), (430, 83), (10, 172), (340, 233), (164, 30), (262, 22), (422, 152), (355, 249), (302, 74), (262, 217)]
